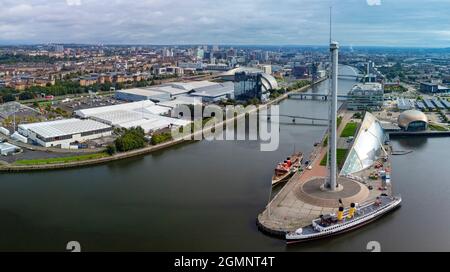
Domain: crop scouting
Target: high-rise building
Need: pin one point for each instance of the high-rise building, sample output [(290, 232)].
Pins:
[(200, 53), (167, 52)]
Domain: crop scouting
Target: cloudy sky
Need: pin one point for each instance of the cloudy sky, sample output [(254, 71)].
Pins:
[(278, 22)]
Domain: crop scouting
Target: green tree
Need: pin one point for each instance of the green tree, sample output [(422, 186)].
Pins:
[(111, 149), (131, 139), (8, 98), (25, 95)]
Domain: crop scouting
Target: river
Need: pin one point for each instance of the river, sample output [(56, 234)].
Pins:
[(205, 196)]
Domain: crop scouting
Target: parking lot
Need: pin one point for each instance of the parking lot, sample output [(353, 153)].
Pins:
[(87, 101)]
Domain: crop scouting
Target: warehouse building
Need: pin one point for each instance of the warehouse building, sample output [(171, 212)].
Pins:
[(4, 131), (7, 149), (139, 94), (143, 114), (405, 104), (211, 91), (215, 93), (427, 87), (64, 133)]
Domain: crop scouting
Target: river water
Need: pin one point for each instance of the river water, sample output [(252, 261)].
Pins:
[(205, 196)]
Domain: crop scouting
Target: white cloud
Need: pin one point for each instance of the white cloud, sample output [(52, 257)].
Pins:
[(374, 2), (218, 21), (73, 2)]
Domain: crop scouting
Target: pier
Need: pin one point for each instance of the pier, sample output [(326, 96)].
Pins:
[(303, 198)]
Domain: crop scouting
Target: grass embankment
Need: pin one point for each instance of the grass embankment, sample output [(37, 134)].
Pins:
[(349, 130), (435, 127), (62, 159), (340, 157)]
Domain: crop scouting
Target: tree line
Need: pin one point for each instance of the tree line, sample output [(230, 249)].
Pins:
[(65, 87)]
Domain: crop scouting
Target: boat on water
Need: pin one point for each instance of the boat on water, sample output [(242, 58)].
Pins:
[(345, 220), (286, 169)]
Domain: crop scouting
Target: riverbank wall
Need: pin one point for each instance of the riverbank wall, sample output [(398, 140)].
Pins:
[(400, 134), (143, 151)]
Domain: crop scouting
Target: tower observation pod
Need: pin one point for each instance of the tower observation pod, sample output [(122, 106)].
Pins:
[(332, 180)]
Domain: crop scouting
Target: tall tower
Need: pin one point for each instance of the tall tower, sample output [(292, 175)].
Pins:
[(332, 181)]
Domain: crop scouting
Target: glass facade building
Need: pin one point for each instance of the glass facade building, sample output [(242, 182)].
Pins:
[(368, 96), (248, 86), (367, 146)]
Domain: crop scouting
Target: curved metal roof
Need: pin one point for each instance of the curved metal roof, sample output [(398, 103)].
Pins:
[(232, 72), (269, 82), (410, 116)]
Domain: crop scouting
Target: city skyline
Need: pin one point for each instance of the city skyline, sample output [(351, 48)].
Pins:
[(355, 22)]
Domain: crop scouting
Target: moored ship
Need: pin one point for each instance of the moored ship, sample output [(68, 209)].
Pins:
[(345, 220), (286, 169)]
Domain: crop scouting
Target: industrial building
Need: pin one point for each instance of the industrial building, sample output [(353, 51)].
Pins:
[(438, 104), (144, 114), (7, 149), (139, 94), (210, 91), (433, 88), (413, 120), (19, 138), (215, 93), (64, 133), (445, 103), (366, 96), (4, 131), (405, 104), (420, 105), (429, 104)]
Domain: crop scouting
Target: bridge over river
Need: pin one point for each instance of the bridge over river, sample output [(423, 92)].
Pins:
[(305, 96)]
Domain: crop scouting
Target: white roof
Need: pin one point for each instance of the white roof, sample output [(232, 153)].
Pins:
[(63, 127), (154, 123), (181, 100), (373, 86), (143, 92), (116, 117), (189, 86), (7, 146), (170, 90), (126, 106), (215, 91), (143, 114), (157, 110)]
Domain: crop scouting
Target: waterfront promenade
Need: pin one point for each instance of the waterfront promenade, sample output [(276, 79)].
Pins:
[(301, 200)]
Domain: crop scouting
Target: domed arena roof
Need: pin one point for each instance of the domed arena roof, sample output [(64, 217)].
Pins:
[(268, 81), (409, 116)]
